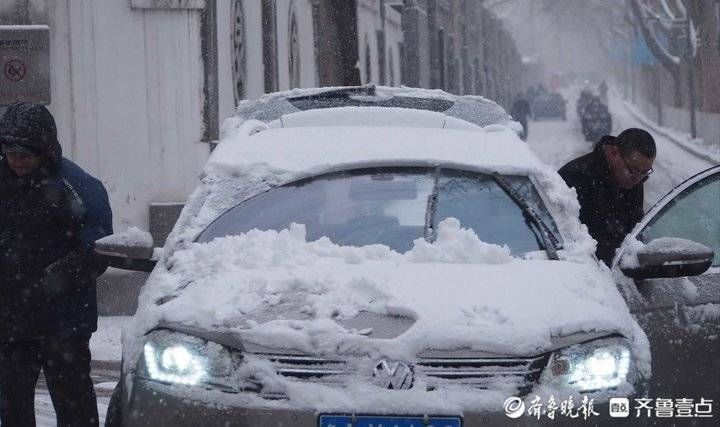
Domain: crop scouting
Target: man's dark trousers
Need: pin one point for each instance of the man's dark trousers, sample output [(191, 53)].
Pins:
[(66, 365)]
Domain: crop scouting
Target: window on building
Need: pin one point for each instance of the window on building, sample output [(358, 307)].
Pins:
[(717, 21), (391, 67), (238, 53), (452, 67), (441, 58), (294, 49), (368, 63), (269, 43), (479, 88)]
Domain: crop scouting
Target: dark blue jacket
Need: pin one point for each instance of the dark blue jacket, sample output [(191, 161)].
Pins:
[(92, 193), (49, 221)]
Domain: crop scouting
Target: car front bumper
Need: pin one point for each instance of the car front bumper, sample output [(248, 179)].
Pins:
[(152, 404)]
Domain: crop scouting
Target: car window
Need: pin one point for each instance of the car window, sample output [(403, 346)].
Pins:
[(350, 208), (329, 101), (694, 214), (478, 202), (387, 206)]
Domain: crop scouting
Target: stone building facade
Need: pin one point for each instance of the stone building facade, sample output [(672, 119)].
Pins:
[(140, 87)]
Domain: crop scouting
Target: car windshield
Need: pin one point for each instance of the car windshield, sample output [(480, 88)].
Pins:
[(392, 207)]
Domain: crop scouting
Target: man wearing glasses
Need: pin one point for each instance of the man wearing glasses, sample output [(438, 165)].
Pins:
[(609, 185)]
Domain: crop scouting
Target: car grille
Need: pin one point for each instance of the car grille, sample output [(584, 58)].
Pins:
[(307, 367), (480, 373), (483, 373)]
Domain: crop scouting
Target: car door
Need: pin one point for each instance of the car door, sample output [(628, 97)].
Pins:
[(681, 316)]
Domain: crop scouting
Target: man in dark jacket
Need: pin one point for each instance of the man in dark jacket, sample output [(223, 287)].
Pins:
[(50, 214), (609, 185)]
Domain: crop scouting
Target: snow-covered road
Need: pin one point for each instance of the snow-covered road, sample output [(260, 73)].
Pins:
[(557, 142)]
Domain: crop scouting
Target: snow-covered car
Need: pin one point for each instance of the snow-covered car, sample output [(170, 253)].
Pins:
[(368, 257), (549, 105)]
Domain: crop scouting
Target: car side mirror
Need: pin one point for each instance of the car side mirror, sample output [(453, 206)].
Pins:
[(667, 257), (130, 250)]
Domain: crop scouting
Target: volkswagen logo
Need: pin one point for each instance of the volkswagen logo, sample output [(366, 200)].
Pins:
[(393, 375)]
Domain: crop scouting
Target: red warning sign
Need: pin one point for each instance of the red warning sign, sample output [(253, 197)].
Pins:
[(15, 70)]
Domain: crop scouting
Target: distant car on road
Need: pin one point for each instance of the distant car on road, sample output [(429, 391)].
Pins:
[(549, 105), (595, 119), (365, 256)]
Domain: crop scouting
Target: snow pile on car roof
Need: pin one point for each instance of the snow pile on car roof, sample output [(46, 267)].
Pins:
[(473, 109), (372, 116), (309, 150)]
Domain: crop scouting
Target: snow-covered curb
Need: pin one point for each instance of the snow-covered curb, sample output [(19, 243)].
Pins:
[(679, 138)]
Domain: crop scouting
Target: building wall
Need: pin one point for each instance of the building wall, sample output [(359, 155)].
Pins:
[(127, 84), (127, 96), (303, 13), (467, 50), (369, 26), (367, 42)]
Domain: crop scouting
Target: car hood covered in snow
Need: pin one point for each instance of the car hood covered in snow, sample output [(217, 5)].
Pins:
[(276, 290)]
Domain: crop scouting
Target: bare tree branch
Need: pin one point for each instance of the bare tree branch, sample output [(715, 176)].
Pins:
[(670, 62), (667, 9)]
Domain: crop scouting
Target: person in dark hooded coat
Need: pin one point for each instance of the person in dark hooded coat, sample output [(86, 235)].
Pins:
[(51, 212)]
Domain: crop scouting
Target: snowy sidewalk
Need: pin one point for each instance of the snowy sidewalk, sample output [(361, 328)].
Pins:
[(105, 344), (681, 138), (674, 163)]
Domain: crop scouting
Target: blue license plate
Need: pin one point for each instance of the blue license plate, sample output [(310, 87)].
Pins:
[(387, 421)]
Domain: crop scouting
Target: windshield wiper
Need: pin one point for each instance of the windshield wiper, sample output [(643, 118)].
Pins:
[(431, 209), (549, 241)]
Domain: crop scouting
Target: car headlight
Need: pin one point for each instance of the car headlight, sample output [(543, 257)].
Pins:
[(173, 357), (593, 366)]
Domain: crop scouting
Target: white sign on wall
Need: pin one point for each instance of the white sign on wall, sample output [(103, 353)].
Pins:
[(24, 63)]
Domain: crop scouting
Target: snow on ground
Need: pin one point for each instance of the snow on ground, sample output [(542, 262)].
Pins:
[(45, 414), (557, 142), (105, 344)]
